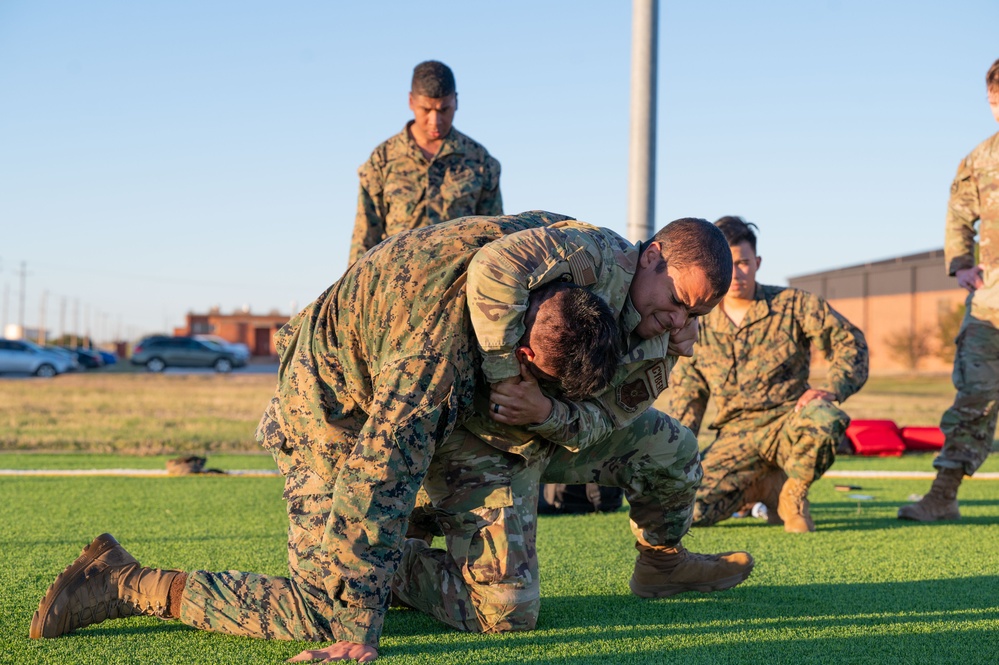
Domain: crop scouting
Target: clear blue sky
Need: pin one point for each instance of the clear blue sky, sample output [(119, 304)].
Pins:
[(160, 157)]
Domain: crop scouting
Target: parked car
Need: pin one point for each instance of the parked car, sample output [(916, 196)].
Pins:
[(22, 356), (238, 349), (88, 358), (158, 353), (108, 357), (74, 364)]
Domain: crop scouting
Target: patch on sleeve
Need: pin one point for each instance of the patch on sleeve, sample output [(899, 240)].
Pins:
[(583, 270), (633, 394), (658, 378)]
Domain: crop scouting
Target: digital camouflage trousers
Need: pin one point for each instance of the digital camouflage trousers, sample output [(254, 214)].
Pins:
[(802, 444), (485, 503)]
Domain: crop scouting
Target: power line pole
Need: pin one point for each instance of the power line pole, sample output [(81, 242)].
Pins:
[(642, 153), (20, 310), (41, 318)]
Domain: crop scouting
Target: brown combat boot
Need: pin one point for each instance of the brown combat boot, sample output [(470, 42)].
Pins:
[(667, 571), (766, 490), (793, 507), (940, 503), (105, 582)]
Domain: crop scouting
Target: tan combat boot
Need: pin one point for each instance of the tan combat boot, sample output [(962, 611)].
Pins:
[(940, 503), (105, 582), (793, 507), (666, 571), (766, 490)]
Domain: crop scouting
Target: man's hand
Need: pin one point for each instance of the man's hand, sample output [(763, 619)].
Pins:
[(813, 393), (970, 278), (520, 402), (681, 343), (362, 653)]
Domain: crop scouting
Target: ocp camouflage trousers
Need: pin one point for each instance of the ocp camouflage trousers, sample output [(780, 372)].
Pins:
[(969, 425), (485, 502), (802, 444)]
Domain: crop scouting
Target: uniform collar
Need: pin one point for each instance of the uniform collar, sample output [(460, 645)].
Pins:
[(453, 144), (759, 310)]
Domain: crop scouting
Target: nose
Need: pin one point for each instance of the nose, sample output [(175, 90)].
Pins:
[(678, 319)]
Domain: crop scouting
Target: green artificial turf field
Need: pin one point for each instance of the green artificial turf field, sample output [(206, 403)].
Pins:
[(865, 588)]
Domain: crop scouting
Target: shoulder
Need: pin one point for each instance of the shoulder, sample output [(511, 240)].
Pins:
[(984, 156), (390, 149), (471, 148)]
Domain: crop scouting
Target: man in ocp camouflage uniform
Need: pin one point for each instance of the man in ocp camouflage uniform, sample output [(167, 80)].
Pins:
[(775, 435), (484, 481), (374, 377), (969, 425), (426, 174)]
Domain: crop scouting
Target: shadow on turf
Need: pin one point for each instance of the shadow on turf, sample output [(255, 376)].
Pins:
[(916, 618), (872, 515)]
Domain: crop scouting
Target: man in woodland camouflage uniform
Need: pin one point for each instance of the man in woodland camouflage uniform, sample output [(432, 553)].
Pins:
[(374, 376), (969, 425), (775, 435), (658, 300), (426, 174)]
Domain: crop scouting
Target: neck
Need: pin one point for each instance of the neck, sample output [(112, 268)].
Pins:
[(735, 308), (427, 145)]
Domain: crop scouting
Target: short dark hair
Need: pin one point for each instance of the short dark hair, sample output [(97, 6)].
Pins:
[(737, 230), (578, 335), (432, 79), (992, 78), (692, 241)]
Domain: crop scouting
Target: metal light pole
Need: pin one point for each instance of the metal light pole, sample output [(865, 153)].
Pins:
[(642, 152)]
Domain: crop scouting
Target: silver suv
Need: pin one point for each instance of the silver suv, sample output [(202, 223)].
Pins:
[(158, 353)]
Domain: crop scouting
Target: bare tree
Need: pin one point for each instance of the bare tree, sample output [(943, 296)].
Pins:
[(909, 346)]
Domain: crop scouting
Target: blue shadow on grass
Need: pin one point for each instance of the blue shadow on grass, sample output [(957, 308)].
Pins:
[(899, 621)]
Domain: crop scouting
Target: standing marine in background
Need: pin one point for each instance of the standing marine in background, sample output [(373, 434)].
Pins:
[(775, 434), (969, 425), (426, 174)]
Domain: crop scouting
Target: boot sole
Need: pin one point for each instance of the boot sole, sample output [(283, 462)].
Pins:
[(99, 546), (943, 518), (667, 590)]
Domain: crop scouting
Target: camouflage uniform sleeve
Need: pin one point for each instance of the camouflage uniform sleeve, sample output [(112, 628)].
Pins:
[(369, 222), (503, 273), (688, 394), (491, 201), (576, 425), (841, 342), (962, 213), (413, 408)]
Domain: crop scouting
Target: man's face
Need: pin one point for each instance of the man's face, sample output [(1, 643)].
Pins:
[(745, 263), (433, 115), (666, 297), (994, 103)]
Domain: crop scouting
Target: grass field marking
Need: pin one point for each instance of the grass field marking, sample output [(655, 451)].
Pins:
[(251, 473), (902, 474)]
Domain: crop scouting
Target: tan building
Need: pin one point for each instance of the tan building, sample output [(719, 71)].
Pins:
[(242, 327), (898, 303)]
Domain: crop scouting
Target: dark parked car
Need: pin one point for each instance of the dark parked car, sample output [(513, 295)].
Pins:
[(158, 353), (108, 357), (88, 359)]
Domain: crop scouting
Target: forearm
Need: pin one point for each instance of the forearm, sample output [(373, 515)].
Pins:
[(575, 425)]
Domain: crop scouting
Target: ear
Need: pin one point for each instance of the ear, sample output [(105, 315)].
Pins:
[(651, 255), (455, 101), (759, 260), (412, 104), (525, 354)]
